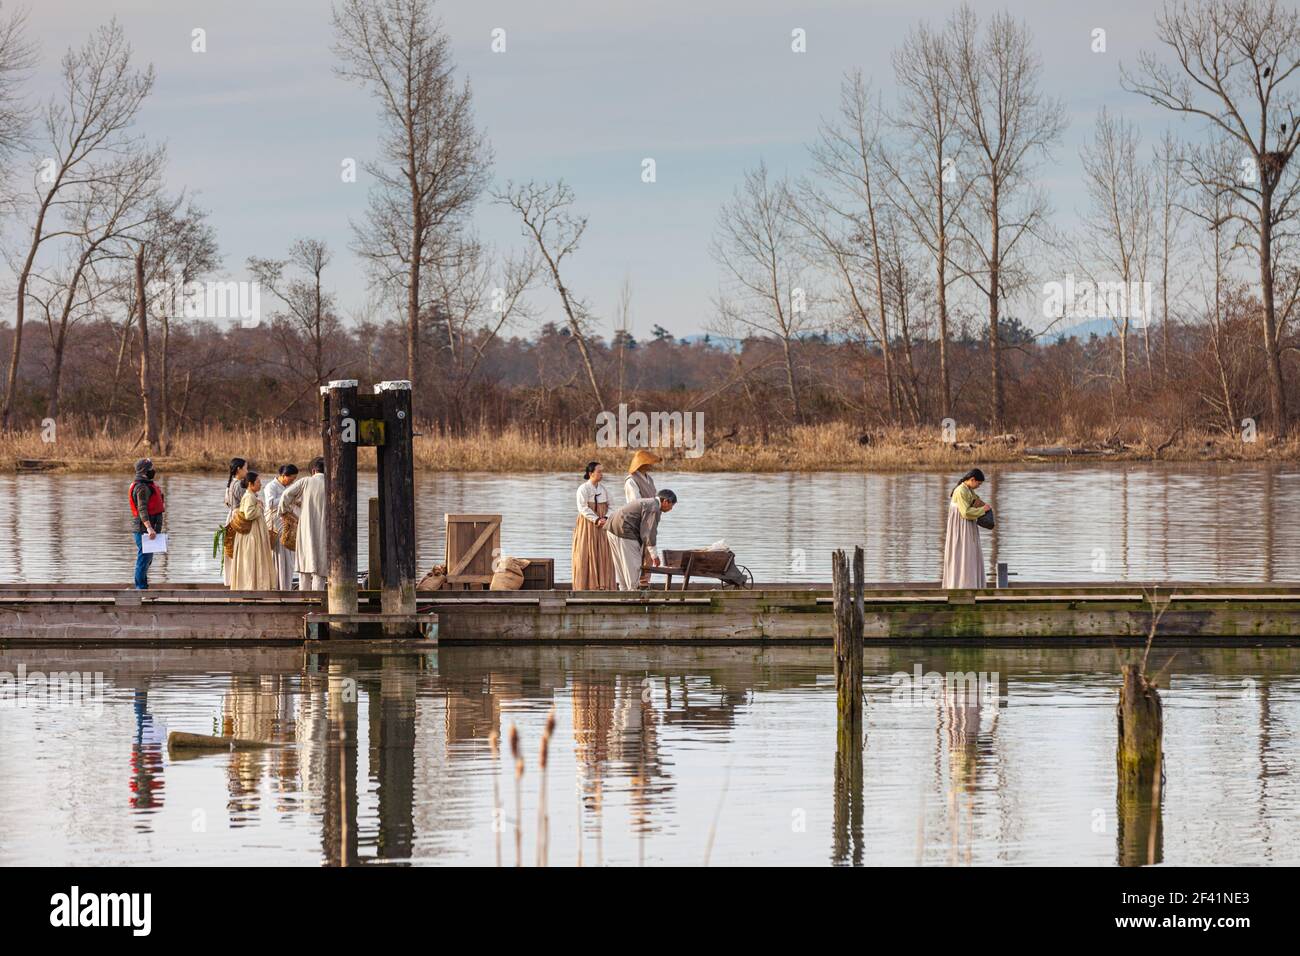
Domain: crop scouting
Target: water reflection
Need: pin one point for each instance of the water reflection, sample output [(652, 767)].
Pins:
[(657, 754), (1139, 522)]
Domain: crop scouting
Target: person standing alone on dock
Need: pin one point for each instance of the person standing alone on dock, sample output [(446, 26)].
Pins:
[(633, 531), (284, 557), (306, 498), (253, 567), (963, 558), (640, 486), (147, 509), (593, 563)]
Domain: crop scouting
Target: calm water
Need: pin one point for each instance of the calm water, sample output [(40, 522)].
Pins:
[(656, 752), (1098, 523)]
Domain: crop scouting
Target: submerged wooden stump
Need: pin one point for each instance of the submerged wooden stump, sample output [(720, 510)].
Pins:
[(1140, 728), (1139, 765), (178, 740)]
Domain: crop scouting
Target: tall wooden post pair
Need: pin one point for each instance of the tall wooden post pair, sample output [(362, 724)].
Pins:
[(384, 421)]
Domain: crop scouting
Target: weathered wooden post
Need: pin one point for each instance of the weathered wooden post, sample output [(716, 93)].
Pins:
[(848, 647), (341, 501), (1138, 762), (848, 815), (396, 458)]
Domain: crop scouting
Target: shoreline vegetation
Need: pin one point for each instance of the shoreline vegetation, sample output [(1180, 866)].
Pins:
[(810, 448)]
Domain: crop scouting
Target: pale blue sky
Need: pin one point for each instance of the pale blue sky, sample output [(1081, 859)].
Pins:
[(258, 125)]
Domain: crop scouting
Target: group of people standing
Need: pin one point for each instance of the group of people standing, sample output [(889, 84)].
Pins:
[(612, 548), (275, 528)]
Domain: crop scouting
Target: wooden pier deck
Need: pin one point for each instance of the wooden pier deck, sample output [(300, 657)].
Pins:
[(1026, 614)]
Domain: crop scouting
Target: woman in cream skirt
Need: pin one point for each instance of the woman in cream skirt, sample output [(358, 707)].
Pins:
[(253, 566), (963, 558), (593, 565)]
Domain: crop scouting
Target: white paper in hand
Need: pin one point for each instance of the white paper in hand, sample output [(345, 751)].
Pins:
[(157, 546)]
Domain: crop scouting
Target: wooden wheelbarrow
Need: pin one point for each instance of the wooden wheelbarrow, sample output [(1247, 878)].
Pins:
[(720, 565)]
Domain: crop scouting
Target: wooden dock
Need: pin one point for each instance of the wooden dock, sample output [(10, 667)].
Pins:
[(1028, 614)]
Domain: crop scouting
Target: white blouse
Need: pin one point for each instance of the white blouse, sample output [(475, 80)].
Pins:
[(588, 496)]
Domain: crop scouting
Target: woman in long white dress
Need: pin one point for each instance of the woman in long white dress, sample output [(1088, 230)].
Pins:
[(234, 494), (253, 566), (963, 557)]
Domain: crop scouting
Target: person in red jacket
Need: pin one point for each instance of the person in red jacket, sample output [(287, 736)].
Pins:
[(146, 517)]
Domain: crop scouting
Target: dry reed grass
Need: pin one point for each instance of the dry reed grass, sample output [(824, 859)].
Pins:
[(825, 447)]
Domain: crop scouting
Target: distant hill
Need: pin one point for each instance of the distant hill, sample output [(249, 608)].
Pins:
[(1098, 327)]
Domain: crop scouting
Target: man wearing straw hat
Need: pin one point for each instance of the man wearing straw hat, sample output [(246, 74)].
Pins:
[(640, 486)]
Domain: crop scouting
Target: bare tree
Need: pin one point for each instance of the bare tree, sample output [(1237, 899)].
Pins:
[(544, 209), (839, 213), (474, 297), (623, 329), (17, 56), (184, 249), (309, 309), (1234, 61), (87, 134), (1211, 207), (1169, 209), (929, 192), (757, 246), (1116, 231), (903, 291), (433, 163), (116, 202), (1008, 126)]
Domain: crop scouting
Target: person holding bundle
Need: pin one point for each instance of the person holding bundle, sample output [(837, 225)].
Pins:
[(963, 558), (305, 500), (284, 557), (252, 567), (234, 494)]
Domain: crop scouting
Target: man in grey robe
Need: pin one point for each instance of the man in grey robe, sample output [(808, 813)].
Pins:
[(633, 527)]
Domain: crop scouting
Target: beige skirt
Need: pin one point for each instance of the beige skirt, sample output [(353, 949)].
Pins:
[(963, 558), (593, 565)]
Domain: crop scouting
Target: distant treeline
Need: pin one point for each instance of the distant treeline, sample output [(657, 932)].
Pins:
[(1207, 379)]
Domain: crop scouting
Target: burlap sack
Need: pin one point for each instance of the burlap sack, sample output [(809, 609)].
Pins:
[(289, 536), (508, 574), (434, 580)]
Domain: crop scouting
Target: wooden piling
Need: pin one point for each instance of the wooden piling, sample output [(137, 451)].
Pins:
[(341, 500), (847, 823), (848, 597), (1138, 758), (396, 460)]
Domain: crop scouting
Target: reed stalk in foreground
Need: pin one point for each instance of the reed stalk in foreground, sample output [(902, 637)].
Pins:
[(494, 740), (600, 826), (519, 781), (580, 821), (543, 819)]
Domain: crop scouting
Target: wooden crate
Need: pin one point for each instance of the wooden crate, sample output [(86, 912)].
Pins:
[(473, 542), (539, 575)]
